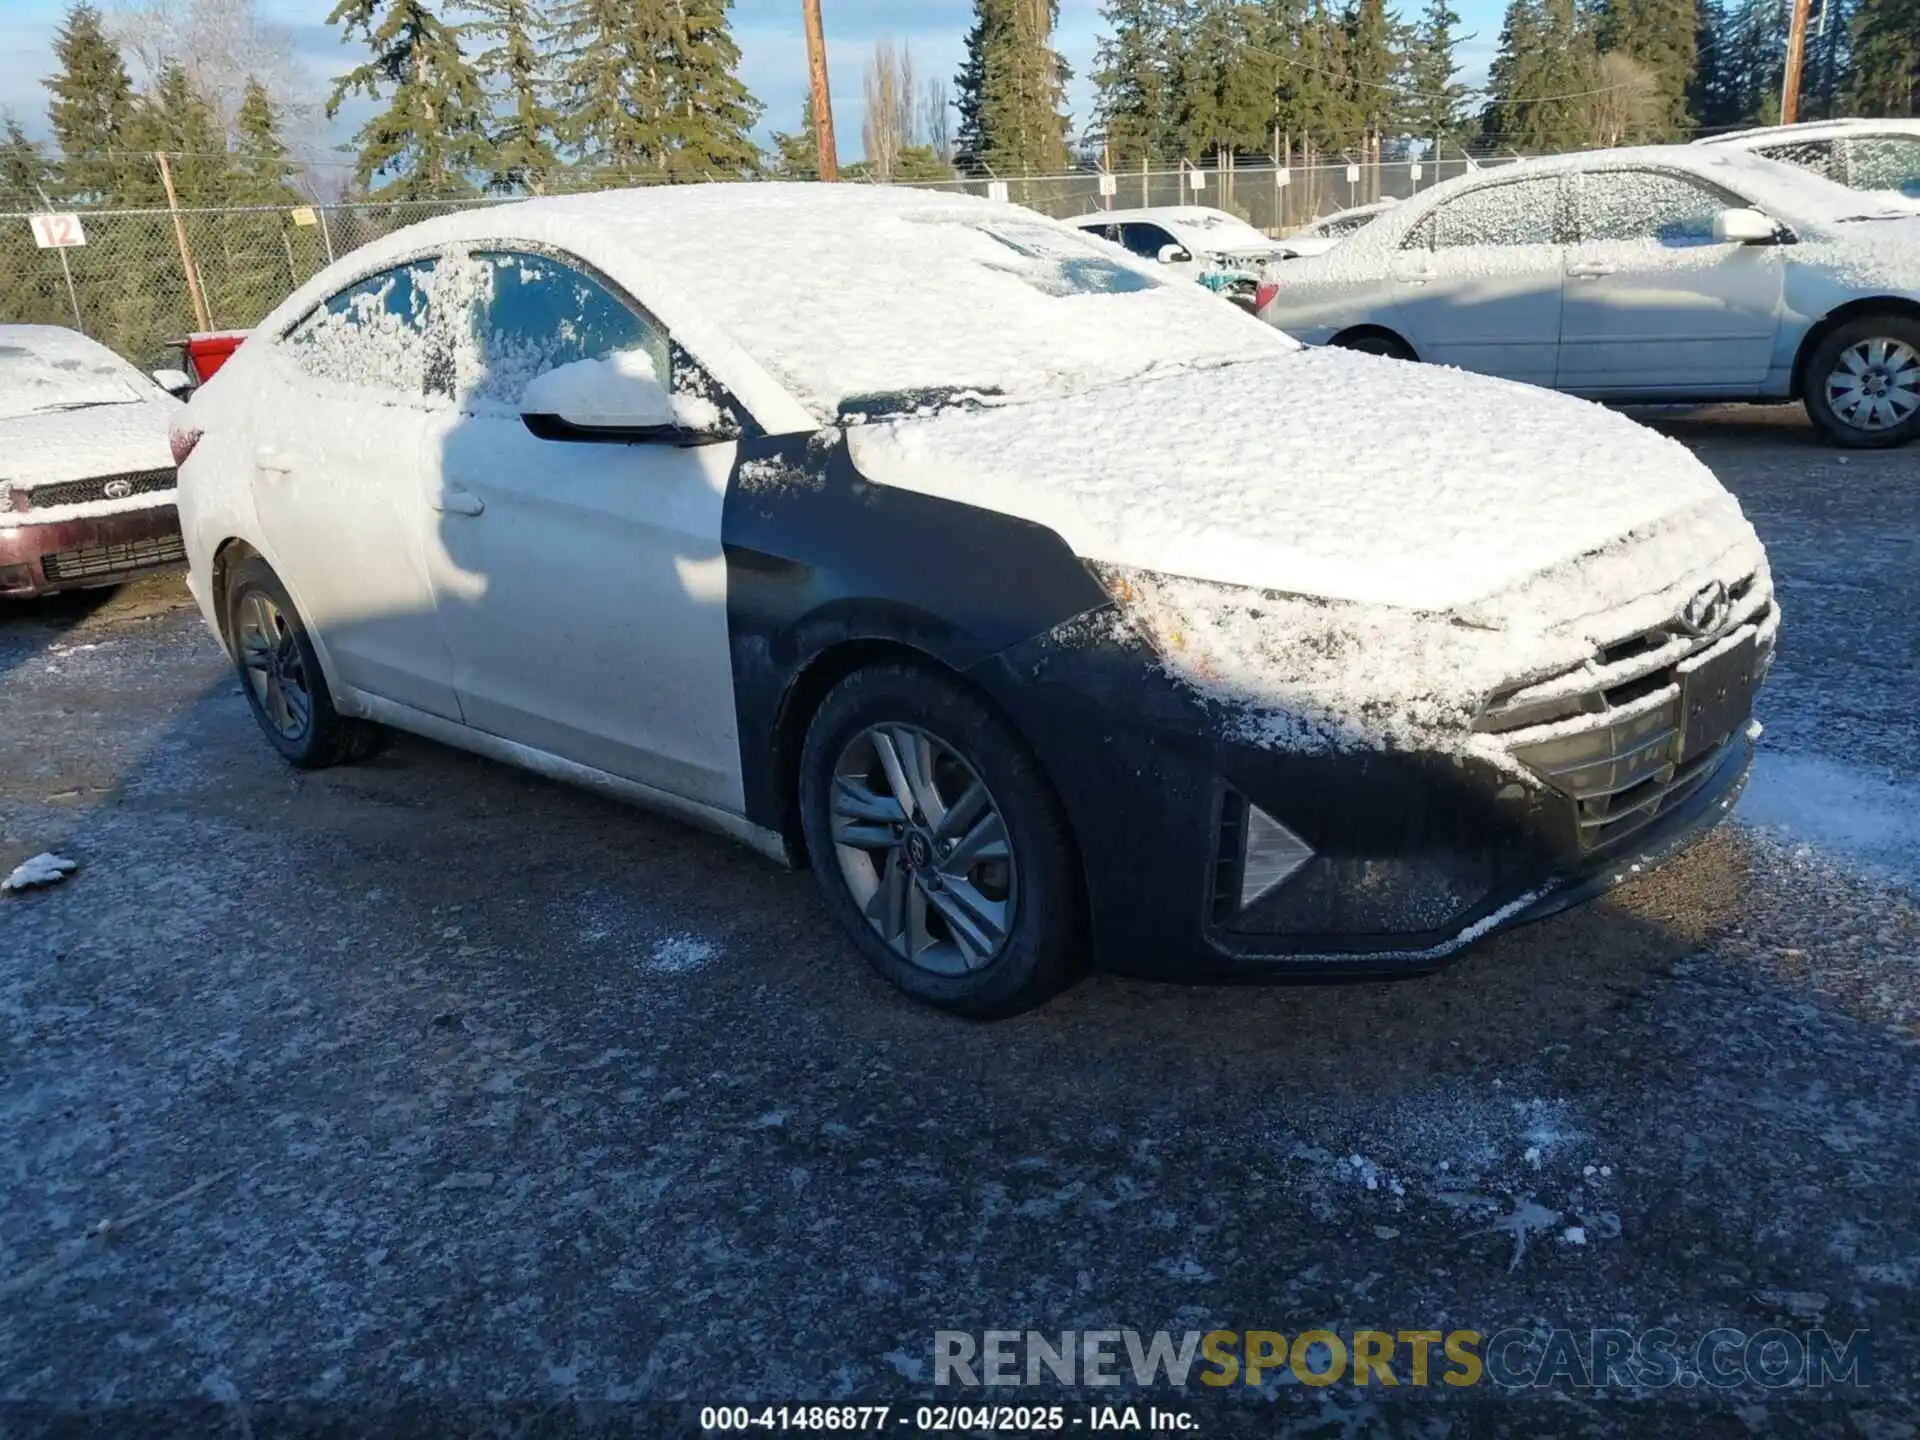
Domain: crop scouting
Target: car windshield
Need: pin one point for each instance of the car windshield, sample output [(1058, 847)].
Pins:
[(865, 310), (38, 379)]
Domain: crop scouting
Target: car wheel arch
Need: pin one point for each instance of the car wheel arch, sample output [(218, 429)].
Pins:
[(1346, 338), (228, 554), (815, 680), (1842, 315)]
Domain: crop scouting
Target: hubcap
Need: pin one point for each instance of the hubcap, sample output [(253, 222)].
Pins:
[(1876, 385), (923, 849), (274, 668)]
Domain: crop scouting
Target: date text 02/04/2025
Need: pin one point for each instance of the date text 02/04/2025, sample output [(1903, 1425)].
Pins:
[(942, 1419)]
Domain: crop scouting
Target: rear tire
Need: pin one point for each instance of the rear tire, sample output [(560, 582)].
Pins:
[(281, 674), (967, 898), (1376, 342), (1862, 382)]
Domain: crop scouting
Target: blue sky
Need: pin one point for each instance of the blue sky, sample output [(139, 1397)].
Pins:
[(773, 51)]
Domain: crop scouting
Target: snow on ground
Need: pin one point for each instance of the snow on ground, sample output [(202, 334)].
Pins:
[(1823, 808)]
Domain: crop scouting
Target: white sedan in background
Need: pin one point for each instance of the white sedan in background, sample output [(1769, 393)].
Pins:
[(1218, 249), (1668, 274), (1880, 157), (1328, 231)]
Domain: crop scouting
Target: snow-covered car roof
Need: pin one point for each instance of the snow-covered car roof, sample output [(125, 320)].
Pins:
[(808, 300), (1198, 217), (1813, 130), (45, 368)]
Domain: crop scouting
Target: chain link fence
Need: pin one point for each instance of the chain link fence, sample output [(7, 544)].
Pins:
[(127, 286)]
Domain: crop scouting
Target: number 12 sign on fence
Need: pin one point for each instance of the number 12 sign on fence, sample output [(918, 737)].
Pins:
[(57, 232)]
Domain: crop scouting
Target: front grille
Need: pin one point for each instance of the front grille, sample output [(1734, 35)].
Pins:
[(86, 492), (104, 560), (1619, 736)]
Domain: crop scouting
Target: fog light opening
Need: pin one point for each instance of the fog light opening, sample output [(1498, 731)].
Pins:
[(1274, 853)]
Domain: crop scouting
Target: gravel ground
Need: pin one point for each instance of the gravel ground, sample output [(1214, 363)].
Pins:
[(425, 1080)]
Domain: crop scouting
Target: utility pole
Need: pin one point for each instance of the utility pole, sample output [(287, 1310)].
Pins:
[(186, 251), (1796, 57), (822, 101)]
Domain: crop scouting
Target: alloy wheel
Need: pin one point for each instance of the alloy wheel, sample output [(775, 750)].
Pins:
[(1876, 384), (924, 849), (275, 668)]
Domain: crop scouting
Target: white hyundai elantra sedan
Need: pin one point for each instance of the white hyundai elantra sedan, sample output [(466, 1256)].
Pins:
[(1024, 593), (1666, 274)]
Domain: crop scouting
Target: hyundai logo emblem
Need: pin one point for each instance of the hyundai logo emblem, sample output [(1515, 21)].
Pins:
[(1706, 612), (117, 489)]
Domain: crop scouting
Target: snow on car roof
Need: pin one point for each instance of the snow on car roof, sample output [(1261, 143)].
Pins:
[(1201, 215), (850, 296), (45, 368), (1815, 130)]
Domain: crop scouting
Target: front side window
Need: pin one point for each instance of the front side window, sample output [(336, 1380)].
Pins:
[(531, 314), (1815, 155), (1522, 212), (1145, 241), (1649, 205), (379, 333), (1885, 162)]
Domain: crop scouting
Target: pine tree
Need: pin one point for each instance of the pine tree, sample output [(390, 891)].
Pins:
[(1709, 99), (1010, 89), (1223, 83), (262, 169), (1886, 57), (1436, 101), (1545, 62), (24, 169), (649, 89), (1660, 34), (514, 68), (1132, 80), (797, 156), (92, 113), (1374, 59), (178, 120), (1829, 61), (431, 139)]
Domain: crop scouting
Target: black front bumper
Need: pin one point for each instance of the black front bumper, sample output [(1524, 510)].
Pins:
[(1416, 856)]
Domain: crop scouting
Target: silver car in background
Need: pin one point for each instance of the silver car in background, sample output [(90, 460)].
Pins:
[(1879, 157), (1663, 274)]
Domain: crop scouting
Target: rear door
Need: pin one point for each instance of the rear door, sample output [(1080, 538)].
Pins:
[(581, 586), (1477, 283), (1653, 303), (337, 483)]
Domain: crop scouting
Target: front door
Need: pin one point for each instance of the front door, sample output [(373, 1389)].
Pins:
[(337, 482), (1477, 283), (581, 586), (1653, 304)]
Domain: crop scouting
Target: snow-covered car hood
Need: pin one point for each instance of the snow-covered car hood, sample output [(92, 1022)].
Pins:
[(1474, 534), (1325, 474), (80, 444)]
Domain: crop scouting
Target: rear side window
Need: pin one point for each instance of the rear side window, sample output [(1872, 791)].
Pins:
[(1651, 205), (1522, 212), (1815, 155), (379, 333), (1884, 162), (531, 313)]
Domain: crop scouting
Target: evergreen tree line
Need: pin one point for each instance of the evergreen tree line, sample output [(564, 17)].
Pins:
[(1195, 79)]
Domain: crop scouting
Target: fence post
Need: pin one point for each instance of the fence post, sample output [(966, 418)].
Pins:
[(326, 235), (200, 315)]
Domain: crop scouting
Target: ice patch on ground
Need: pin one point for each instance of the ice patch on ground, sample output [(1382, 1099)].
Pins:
[(1868, 821), (677, 954)]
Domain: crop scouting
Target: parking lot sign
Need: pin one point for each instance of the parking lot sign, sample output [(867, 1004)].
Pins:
[(57, 232)]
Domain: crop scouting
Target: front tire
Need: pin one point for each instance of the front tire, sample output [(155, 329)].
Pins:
[(281, 675), (1863, 382), (938, 843)]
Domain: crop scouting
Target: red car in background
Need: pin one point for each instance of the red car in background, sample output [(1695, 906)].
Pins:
[(207, 352)]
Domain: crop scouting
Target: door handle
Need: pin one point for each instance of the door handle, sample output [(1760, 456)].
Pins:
[(452, 500), (267, 457), (1589, 272)]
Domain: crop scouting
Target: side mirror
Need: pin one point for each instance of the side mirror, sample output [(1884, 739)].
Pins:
[(1175, 255), (1744, 227), (618, 400), (174, 382)]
